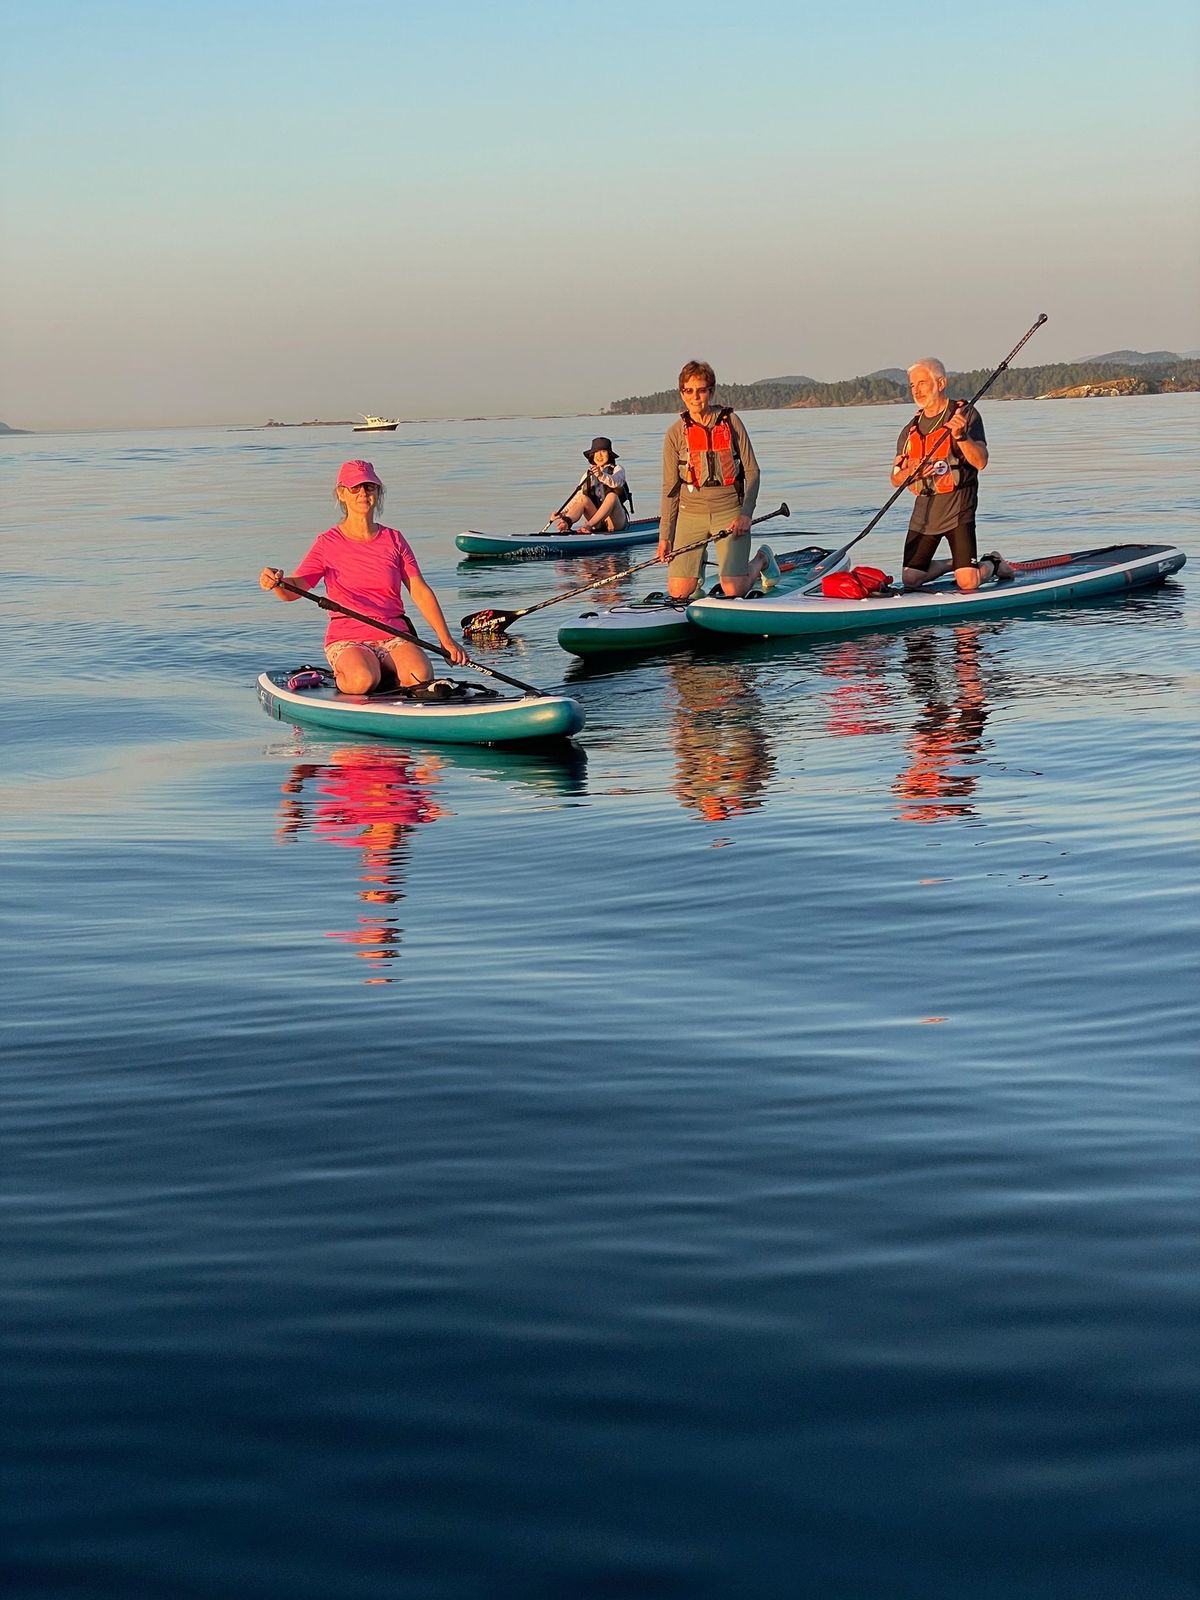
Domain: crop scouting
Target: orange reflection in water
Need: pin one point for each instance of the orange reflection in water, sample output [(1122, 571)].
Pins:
[(860, 700), (367, 799), (723, 760), (943, 673)]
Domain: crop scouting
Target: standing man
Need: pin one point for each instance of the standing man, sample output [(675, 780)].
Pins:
[(710, 483), (946, 441)]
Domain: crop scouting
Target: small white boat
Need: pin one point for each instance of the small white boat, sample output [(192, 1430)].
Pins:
[(371, 424)]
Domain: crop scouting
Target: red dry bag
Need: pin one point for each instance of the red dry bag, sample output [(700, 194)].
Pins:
[(856, 584)]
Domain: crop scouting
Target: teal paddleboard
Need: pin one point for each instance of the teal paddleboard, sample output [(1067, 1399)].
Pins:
[(538, 546), (659, 623), (468, 714), (1053, 580)]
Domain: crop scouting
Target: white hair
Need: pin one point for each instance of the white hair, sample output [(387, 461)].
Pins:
[(931, 365)]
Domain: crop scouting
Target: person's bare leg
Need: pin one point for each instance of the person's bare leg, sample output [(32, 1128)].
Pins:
[(412, 666), (357, 671), (914, 577)]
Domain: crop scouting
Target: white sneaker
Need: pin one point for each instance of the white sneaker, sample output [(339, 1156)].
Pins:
[(771, 572)]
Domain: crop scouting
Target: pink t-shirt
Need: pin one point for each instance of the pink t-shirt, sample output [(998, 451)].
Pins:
[(364, 574)]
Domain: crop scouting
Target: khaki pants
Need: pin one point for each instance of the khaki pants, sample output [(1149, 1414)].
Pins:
[(702, 515)]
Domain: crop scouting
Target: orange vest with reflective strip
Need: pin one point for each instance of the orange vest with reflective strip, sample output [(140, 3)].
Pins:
[(712, 455), (942, 475)]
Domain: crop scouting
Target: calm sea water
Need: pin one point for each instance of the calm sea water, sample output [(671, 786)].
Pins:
[(752, 1155)]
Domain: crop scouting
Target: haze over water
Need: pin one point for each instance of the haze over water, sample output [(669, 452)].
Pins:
[(751, 1154)]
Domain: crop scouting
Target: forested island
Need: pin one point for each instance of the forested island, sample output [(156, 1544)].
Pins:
[(1124, 372)]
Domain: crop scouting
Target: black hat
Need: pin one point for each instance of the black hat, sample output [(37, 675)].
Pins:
[(601, 444)]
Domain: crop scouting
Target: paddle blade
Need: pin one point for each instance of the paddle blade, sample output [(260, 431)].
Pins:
[(785, 509), (491, 620)]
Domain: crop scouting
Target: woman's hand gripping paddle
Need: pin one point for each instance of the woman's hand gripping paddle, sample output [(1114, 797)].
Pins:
[(331, 605)]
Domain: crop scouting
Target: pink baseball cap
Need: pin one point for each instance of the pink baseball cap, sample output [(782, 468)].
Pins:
[(352, 473)]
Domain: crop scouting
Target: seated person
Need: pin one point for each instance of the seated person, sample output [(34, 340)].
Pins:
[(602, 496)]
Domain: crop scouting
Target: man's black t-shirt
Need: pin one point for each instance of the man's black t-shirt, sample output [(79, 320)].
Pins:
[(938, 513)]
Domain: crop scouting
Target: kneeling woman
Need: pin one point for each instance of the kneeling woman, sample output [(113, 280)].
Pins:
[(367, 567), (710, 484)]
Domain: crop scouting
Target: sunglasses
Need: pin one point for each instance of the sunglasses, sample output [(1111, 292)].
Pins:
[(364, 488), (704, 388)]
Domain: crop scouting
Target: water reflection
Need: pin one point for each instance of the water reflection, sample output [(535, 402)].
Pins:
[(723, 759), (369, 800), (602, 569), (861, 700), (944, 671), (556, 769)]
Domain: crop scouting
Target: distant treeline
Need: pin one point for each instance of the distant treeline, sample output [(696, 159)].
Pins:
[(1017, 383)]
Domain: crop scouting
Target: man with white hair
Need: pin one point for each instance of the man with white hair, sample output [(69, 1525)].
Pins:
[(946, 442)]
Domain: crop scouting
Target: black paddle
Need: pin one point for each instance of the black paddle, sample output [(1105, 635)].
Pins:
[(331, 605), (833, 561), (492, 620)]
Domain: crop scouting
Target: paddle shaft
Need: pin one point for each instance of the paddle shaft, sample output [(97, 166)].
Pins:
[(498, 621), (331, 605), (834, 560), (567, 501)]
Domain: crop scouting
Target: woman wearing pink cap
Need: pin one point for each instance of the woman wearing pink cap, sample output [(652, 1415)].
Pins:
[(367, 567)]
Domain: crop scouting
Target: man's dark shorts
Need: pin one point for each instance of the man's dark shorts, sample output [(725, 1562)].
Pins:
[(919, 547)]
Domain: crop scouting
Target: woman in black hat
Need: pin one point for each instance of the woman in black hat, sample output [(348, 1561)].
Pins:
[(601, 497)]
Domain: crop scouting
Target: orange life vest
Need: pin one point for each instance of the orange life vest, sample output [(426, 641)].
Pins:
[(943, 474), (712, 453)]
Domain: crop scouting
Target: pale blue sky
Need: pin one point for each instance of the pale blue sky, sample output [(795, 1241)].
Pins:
[(228, 212)]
